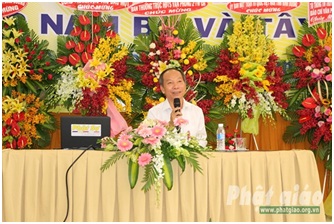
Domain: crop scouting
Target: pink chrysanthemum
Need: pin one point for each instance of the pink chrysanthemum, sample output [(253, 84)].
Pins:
[(144, 159), (124, 145)]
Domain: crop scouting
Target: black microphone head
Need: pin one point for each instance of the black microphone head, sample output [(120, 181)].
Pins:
[(177, 102)]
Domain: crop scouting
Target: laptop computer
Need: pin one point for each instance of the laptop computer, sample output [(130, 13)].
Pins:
[(80, 132)]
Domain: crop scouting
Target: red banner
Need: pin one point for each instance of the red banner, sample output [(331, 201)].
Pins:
[(319, 12), (165, 8), (97, 6), (261, 7), (10, 8)]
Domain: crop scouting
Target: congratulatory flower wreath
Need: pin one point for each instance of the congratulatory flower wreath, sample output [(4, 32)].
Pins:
[(248, 78), (95, 73), (311, 94), (153, 145), (173, 41), (28, 70)]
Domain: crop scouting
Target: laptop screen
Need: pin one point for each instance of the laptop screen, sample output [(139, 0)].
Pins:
[(80, 132)]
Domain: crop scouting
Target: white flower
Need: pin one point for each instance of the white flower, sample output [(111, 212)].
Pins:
[(152, 46), (151, 54)]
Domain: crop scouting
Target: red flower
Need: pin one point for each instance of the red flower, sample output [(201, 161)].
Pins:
[(85, 35), (84, 20), (85, 57), (298, 51), (96, 28), (19, 116), (22, 142), (47, 63), (322, 33), (304, 119), (10, 121), (4, 131), (62, 60), (90, 48), (308, 40), (309, 103), (74, 59), (50, 76), (15, 130), (80, 47), (110, 33), (96, 14), (70, 44), (76, 31), (107, 24), (11, 145), (96, 39)]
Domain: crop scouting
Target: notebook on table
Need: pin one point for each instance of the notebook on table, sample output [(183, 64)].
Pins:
[(80, 132)]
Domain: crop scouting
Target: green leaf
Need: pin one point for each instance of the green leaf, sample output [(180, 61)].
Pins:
[(192, 160), (149, 177), (112, 160)]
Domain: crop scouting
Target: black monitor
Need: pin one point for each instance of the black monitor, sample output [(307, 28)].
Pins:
[(80, 132)]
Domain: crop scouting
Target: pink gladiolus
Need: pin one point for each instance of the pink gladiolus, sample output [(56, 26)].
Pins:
[(124, 145), (179, 121), (158, 131), (144, 159)]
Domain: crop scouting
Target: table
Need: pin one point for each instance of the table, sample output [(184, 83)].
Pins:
[(233, 187)]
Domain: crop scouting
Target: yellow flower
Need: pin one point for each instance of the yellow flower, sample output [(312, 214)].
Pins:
[(190, 72), (175, 32), (155, 80), (16, 33), (266, 84), (161, 99), (186, 61), (10, 20), (6, 33), (162, 66)]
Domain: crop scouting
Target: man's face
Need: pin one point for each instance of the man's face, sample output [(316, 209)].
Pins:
[(173, 85)]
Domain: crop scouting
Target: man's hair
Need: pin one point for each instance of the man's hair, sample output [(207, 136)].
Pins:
[(161, 77)]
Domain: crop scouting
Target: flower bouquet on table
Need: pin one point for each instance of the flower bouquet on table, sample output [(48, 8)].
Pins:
[(248, 78), (153, 145), (28, 70), (173, 42), (311, 94)]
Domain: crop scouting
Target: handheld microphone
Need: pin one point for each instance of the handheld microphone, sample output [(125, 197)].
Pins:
[(177, 103)]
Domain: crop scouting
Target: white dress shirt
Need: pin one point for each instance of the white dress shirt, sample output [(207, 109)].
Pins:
[(190, 112)]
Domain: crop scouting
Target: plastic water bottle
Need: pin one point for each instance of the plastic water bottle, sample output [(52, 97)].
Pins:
[(220, 137)]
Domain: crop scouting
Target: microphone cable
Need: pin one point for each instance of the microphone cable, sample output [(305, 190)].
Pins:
[(66, 180)]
